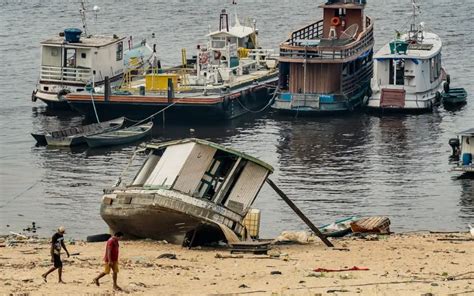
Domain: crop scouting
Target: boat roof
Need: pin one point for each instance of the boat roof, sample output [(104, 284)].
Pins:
[(90, 41), (238, 31), (214, 145), (429, 48), (347, 4), (469, 132)]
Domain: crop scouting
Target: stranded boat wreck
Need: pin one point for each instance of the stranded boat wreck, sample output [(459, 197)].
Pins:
[(185, 189), (327, 66), (229, 77)]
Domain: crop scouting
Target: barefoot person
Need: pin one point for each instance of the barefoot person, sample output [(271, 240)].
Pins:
[(111, 259), (57, 242)]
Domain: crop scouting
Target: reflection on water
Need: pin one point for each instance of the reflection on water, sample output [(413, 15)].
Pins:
[(331, 166)]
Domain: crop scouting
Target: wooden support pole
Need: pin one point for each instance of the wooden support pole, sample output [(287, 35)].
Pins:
[(299, 213)]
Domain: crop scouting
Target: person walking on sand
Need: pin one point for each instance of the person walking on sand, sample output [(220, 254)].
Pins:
[(111, 260), (57, 242)]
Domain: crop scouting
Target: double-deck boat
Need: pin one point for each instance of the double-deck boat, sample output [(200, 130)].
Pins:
[(408, 71), (230, 76), (463, 151), (187, 189), (75, 58), (327, 65)]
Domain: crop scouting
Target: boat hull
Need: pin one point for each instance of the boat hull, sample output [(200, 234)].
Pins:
[(102, 141), (412, 103), (224, 107), (166, 216), (285, 106)]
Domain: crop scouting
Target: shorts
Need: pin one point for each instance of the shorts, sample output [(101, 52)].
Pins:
[(114, 267), (57, 261)]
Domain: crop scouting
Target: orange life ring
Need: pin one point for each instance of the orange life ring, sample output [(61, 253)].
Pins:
[(335, 21)]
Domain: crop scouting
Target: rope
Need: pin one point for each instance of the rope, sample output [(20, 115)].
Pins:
[(263, 108), (135, 152), (92, 98), (19, 194), (154, 114)]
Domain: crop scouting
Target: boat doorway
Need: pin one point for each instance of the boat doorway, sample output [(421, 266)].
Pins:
[(69, 58), (397, 72)]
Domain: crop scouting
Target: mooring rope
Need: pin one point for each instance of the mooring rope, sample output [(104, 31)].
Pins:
[(263, 108), (19, 194)]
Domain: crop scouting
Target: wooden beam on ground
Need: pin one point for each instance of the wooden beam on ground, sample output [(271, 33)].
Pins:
[(299, 213)]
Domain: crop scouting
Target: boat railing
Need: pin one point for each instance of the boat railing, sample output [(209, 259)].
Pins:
[(349, 84), (63, 74), (323, 49)]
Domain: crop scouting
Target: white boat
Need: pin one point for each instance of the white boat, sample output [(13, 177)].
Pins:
[(463, 151), (408, 75), (74, 58)]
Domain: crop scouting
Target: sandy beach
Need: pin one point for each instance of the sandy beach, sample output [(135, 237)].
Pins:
[(402, 264)]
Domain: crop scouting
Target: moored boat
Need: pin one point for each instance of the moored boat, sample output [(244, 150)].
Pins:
[(74, 136), (463, 151), (409, 76), (327, 65), (454, 96), (75, 59), (229, 77), (120, 137), (187, 189)]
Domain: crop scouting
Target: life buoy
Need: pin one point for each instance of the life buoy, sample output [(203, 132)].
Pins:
[(336, 21), (203, 58), (217, 55)]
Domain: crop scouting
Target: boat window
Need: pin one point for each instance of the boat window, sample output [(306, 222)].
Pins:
[(435, 67), (83, 55), (70, 57), (215, 176), (119, 51), (218, 43)]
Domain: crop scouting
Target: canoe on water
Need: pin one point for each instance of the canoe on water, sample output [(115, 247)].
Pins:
[(455, 96), (75, 135), (339, 228), (120, 137)]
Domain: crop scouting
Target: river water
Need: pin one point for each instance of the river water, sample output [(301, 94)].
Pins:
[(331, 167)]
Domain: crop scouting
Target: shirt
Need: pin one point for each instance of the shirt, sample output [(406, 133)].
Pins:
[(113, 247), (56, 242)]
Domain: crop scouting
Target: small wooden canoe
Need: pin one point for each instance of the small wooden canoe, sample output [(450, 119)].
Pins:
[(120, 137), (75, 135), (455, 96), (339, 228)]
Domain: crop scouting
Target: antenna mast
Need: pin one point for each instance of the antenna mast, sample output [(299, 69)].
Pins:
[(83, 16)]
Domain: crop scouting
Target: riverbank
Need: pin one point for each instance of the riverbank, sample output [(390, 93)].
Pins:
[(402, 264)]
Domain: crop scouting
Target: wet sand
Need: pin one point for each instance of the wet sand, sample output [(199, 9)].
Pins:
[(403, 264)]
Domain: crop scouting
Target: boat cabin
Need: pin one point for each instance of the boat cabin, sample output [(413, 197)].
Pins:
[(76, 61), (415, 67), (467, 150), (205, 171), (230, 51)]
